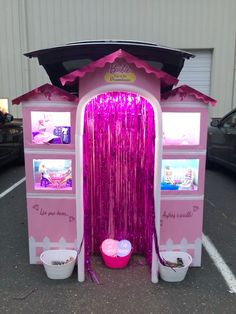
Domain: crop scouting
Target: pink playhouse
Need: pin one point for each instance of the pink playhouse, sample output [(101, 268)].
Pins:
[(119, 161)]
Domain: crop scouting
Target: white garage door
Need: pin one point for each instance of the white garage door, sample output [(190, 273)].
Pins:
[(197, 71)]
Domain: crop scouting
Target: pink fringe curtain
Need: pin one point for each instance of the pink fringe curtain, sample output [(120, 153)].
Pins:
[(119, 134)]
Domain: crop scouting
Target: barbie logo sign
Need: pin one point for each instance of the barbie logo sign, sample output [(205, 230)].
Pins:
[(119, 72)]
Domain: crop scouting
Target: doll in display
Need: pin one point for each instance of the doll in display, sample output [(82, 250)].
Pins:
[(169, 175), (67, 178), (43, 135), (45, 174), (41, 127), (187, 183)]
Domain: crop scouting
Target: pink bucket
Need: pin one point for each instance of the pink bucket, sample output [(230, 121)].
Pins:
[(115, 261)]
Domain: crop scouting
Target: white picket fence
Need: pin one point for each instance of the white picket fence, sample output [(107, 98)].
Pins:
[(184, 246), (46, 245)]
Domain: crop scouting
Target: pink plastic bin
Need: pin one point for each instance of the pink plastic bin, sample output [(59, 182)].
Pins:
[(116, 261)]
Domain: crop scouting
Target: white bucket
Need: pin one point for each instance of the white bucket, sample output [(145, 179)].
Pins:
[(174, 274), (58, 264)]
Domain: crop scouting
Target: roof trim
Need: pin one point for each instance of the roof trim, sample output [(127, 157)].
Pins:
[(48, 91), (166, 78), (185, 90)]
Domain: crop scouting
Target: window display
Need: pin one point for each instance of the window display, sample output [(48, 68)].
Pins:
[(52, 174), (181, 128), (51, 127), (180, 174)]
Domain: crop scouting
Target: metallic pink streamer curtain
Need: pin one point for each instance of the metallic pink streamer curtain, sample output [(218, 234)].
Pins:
[(119, 134)]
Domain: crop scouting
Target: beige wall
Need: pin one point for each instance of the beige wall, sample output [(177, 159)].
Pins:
[(27, 25)]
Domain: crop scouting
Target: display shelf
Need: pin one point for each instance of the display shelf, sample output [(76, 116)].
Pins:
[(181, 174), (49, 128), (50, 173), (182, 128)]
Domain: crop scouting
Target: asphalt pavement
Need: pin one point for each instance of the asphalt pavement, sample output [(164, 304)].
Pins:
[(25, 288)]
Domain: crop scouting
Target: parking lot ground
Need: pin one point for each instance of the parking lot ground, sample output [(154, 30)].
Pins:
[(25, 288)]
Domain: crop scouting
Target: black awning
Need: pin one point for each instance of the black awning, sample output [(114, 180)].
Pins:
[(61, 60)]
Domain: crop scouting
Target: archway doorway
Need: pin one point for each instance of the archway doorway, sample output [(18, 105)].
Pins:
[(119, 175)]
